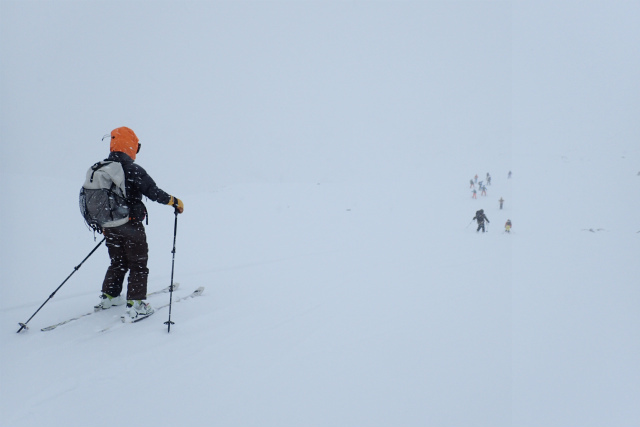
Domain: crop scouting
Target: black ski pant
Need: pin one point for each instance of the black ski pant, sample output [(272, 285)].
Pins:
[(128, 250), (480, 226)]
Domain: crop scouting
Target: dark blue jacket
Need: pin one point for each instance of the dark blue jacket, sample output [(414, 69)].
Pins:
[(138, 183)]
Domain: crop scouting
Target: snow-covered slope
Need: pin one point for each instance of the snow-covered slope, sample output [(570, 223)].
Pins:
[(353, 304)]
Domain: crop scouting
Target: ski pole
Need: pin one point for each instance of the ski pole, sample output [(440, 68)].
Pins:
[(469, 224), (24, 325), (173, 261)]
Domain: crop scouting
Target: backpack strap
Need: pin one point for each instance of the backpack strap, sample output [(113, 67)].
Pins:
[(95, 167)]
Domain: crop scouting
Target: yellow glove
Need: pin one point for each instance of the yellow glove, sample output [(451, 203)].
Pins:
[(176, 203)]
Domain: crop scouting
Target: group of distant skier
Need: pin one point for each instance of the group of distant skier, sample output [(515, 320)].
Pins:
[(480, 216), (481, 186)]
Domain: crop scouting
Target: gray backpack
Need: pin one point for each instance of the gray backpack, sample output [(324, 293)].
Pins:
[(103, 196)]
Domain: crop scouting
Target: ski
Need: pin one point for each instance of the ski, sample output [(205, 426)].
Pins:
[(64, 322), (124, 319), (193, 294)]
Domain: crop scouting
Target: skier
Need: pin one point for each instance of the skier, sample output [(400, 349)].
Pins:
[(509, 175), (471, 184), (481, 218), (476, 177), (127, 244), (484, 191), (507, 226), (474, 195), (501, 202), (488, 179)]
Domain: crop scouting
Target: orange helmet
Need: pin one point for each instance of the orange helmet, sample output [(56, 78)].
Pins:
[(125, 140)]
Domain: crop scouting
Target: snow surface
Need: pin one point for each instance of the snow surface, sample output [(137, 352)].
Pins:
[(323, 151)]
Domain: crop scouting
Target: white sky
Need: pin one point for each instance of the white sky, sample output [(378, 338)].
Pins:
[(304, 91)]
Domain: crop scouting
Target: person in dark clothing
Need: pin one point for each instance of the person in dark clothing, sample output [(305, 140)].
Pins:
[(127, 244), (481, 218)]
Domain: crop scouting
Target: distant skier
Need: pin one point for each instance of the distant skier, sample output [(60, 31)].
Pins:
[(509, 175), (481, 218), (471, 184), (476, 178), (484, 191), (501, 202), (488, 179), (475, 194), (507, 226)]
